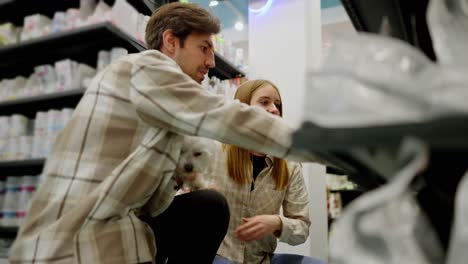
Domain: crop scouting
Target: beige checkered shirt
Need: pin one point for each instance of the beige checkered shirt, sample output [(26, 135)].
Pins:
[(264, 199), (116, 158)]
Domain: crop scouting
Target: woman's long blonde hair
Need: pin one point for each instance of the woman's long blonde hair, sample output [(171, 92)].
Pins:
[(239, 164)]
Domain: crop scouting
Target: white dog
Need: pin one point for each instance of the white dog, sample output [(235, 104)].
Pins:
[(196, 159)]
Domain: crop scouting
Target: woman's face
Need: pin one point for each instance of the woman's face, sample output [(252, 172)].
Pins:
[(267, 98)]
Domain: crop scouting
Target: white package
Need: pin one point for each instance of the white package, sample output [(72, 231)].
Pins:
[(448, 25), (38, 149), (25, 147), (4, 127), (59, 22), (13, 87), (458, 244), (48, 144), (387, 226), (103, 60), (2, 194), (27, 189), (3, 92), (36, 25), (32, 86), (3, 148), (54, 122), (40, 123), (73, 18), (18, 125), (66, 115), (8, 34), (117, 52), (84, 71), (102, 13), (64, 70), (12, 148), (374, 80), (11, 201), (125, 17), (70, 74), (86, 8), (46, 77), (142, 22)]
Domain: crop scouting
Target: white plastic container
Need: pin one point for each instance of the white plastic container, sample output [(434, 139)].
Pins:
[(4, 127), (25, 147), (11, 201)]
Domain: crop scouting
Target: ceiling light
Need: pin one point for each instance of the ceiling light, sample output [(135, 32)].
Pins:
[(260, 8), (213, 3), (239, 26)]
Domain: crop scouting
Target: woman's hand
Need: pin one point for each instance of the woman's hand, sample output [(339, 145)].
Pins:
[(257, 227)]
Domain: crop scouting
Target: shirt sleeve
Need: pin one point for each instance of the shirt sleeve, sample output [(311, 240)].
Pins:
[(165, 97), (295, 218)]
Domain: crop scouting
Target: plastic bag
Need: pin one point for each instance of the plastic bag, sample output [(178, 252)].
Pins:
[(386, 225), (458, 246), (448, 25)]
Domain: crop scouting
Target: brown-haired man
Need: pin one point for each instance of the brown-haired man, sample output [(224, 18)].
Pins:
[(114, 162)]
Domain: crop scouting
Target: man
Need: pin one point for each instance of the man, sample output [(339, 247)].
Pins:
[(115, 160)]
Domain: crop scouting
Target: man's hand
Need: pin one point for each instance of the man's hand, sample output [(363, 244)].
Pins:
[(257, 227)]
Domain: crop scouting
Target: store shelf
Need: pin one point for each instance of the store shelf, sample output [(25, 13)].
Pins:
[(15, 10), (28, 106), (447, 138), (21, 167), (444, 132), (224, 69), (81, 44), (337, 145), (407, 20), (8, 232)]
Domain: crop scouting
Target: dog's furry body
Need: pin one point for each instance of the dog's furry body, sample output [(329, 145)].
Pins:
[(196, 159)]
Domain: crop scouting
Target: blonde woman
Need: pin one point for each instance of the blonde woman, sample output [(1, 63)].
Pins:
[(256, 186)]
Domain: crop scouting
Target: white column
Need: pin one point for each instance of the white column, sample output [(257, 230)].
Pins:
[(285, 42)]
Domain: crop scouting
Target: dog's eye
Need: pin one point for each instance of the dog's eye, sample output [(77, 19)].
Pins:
[(183, 151), (196, 154)]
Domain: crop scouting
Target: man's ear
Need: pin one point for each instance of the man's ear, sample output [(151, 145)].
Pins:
[(169, 41)]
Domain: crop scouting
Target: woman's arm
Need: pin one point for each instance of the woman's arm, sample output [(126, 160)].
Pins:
[(295, 219)]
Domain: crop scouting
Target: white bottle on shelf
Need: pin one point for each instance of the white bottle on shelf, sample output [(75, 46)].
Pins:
[(27, 189), (11, 201), (18, 125), (2, 198), (4, 127)]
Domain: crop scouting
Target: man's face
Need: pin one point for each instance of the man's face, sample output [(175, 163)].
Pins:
[(196, 57)]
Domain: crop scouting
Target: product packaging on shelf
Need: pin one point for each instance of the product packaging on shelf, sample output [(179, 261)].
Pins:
[(125, 17), (8, 34), (18, 125), (27, 188), (117, 52), (46, 75), (103, 59), (11, 201), (21, 138), (4, 127), (87, 8), (36, 25), (70, 74)]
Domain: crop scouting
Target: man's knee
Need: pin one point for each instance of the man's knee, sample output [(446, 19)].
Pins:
[(215, 204)]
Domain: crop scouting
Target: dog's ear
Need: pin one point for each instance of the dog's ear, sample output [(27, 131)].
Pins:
[(211, 149)]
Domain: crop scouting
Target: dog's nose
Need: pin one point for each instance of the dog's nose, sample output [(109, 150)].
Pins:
[(188, 167)]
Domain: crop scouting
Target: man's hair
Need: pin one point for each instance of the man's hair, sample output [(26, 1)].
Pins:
[(182, 19)]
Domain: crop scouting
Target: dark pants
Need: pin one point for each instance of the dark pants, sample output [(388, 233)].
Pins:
[(191, 229)]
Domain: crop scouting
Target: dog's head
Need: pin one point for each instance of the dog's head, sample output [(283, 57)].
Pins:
[(196, 157)]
